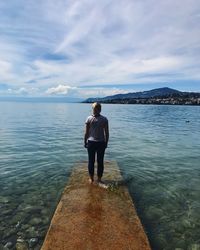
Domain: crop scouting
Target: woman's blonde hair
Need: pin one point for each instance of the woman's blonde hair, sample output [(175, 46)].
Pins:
[(96, 106)]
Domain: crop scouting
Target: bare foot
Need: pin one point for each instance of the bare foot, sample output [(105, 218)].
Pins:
[(91, 181), (102, 184)]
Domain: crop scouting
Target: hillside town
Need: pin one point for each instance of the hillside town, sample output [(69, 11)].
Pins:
[(157, 100)]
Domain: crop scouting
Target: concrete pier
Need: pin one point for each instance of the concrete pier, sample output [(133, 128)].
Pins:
[(92, 217)]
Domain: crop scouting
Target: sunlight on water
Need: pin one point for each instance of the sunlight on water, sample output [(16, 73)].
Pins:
[(157, 148)]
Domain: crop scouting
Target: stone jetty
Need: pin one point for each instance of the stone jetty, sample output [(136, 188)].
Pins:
[(96, 217)]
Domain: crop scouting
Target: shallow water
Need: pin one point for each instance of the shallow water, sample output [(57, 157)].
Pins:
[(157, 149)]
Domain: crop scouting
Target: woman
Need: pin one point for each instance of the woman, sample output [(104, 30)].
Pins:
[(96, 141)]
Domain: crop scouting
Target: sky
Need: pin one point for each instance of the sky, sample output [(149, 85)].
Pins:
[(88, 48)]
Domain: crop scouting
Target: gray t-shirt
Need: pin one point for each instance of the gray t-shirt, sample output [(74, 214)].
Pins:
[(96, 129)]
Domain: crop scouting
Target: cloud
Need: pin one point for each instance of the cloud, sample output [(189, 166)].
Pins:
[(99, 92), (84, 92), (28, 91), (59, 90), (20, 91), (5, 69), (93, 43)]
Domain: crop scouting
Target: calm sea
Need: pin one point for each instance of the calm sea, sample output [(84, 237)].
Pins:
[(157, 149)]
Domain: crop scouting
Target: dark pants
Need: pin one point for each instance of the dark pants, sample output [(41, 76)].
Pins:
[(93, 149)]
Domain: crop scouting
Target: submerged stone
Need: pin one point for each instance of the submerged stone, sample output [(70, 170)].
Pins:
[(186, 223), (179, 243), (35, 221), (194, 246), (21, 244), (8, 245), (32, 232), (161, 242), (33, 242), (4, 199), (153, 213)]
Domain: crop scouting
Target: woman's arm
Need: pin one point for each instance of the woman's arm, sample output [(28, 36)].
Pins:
[(87, 127), (106, 134)]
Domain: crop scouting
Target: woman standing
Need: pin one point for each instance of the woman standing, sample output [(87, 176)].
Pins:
[(96, 141)]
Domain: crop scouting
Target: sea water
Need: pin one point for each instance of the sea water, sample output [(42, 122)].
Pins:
[(157, 149)]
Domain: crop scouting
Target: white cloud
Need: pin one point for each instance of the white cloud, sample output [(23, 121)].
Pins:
[(84, 92), (23, 91), (5, 69), (59, 90), (99, 92)]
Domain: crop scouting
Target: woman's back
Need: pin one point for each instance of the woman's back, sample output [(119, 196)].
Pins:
[(97, 125)]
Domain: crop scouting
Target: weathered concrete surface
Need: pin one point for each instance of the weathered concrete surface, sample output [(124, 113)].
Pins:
[(89, 217)]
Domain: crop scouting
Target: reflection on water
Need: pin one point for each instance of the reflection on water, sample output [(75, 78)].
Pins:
[(157, 151)]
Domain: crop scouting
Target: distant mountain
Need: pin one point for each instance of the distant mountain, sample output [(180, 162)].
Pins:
[(144, 94), (155, 96)]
